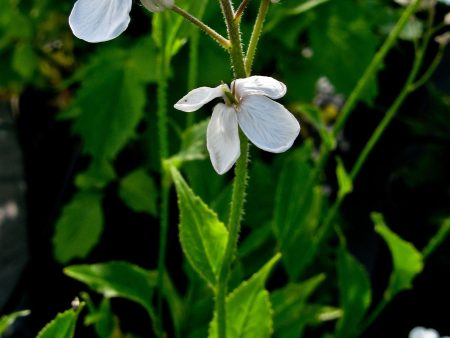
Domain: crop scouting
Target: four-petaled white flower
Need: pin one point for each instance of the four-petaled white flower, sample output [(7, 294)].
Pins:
[(103, 20), (249, 105)]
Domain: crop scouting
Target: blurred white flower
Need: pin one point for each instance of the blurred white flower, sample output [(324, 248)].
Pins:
[(103, 20), (423, 5), (421, 332), (249, 105)]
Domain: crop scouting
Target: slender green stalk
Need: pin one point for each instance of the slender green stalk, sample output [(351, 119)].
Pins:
[(234, 35), (163, 62), (234, 223), (390, 114), (193, 64), (240, 10), (374, 66), (256, 33), (240, 179), (208, 30)]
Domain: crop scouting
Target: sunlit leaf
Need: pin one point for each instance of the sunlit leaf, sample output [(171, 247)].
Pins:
[(248, 308), (117, 279), (406, 260), (79, 227), (344, 179), (7, 320), (63, 326), (203, 237), (355, 294), (139, 192)]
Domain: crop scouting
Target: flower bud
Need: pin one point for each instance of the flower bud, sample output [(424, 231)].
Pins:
[(443, 39)]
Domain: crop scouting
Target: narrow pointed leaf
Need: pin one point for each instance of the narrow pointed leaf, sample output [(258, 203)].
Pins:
[(248, 307), (407, 261), (203, 237), (63, 326), (7, 320), (344, 179)]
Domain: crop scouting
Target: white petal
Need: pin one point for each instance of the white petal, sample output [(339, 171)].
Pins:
[(267, 123), (197, 98), (99, 20), (157, 5), (421, 332), (222, 138), (259, 85)]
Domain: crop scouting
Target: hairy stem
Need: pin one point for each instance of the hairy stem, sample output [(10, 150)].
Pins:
[(234, 224), (240, 179), (234, 35), (225, 43)]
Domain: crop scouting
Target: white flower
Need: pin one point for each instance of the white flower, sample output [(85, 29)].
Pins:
[(421, 332), (249, 105), (424, 4), (103, 20)]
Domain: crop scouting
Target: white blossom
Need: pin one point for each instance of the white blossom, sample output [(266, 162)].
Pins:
[(103, 20), (249, 105), (421, 332)]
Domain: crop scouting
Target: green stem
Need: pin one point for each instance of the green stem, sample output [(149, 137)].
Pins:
[(208, 30), (408, 87), (256, 33), (240, 179), (234, 222), (374, 66), (234, 34), (162, 85)]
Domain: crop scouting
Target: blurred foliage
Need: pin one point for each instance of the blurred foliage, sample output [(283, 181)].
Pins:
[(108, 95)]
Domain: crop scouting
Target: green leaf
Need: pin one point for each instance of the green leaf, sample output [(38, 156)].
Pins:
[(193, 144), (7, 320), (298, 212), (63, 326), (344, 179), (248, 308), (111, 100), (407, 261), (203, 237), (97, 176), (355, 294), (117, 279), (290, 308), (344, 43), (25, 61), (106, 324), (79, 227), (139, 192)]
